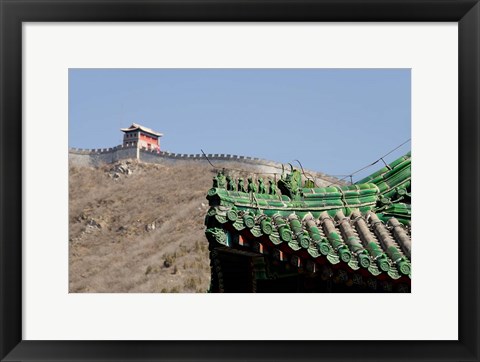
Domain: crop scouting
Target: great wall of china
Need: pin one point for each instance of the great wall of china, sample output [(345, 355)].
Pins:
[(97, 157)]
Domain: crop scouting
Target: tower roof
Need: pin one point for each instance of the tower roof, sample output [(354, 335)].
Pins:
[(137, 127)]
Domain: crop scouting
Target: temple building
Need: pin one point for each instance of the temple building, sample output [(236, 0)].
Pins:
[(291, 236), (142, 137)]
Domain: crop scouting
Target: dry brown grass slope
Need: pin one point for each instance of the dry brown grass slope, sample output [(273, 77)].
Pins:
[(139, 232)]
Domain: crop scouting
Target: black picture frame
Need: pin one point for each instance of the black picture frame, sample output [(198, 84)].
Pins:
[(14, 12)]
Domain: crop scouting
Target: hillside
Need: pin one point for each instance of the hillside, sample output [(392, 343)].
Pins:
[(138, 227)]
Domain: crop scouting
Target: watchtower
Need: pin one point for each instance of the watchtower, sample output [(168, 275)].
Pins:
[(142, 137)]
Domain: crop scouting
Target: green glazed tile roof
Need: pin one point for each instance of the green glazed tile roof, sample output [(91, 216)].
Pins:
[(365, 226), (357, 240), (392, 179)]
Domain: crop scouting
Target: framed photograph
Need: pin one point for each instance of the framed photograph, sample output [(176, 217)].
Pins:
[(239, 180)]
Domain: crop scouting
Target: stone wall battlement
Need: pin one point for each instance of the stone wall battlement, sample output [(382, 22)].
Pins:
[(210, 156), (94, 151), (97, 157), (166, 154)]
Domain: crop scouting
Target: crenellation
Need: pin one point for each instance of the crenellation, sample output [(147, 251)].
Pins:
[(96, 157)]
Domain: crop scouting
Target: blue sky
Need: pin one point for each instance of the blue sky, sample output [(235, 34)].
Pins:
[(332, 120)]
